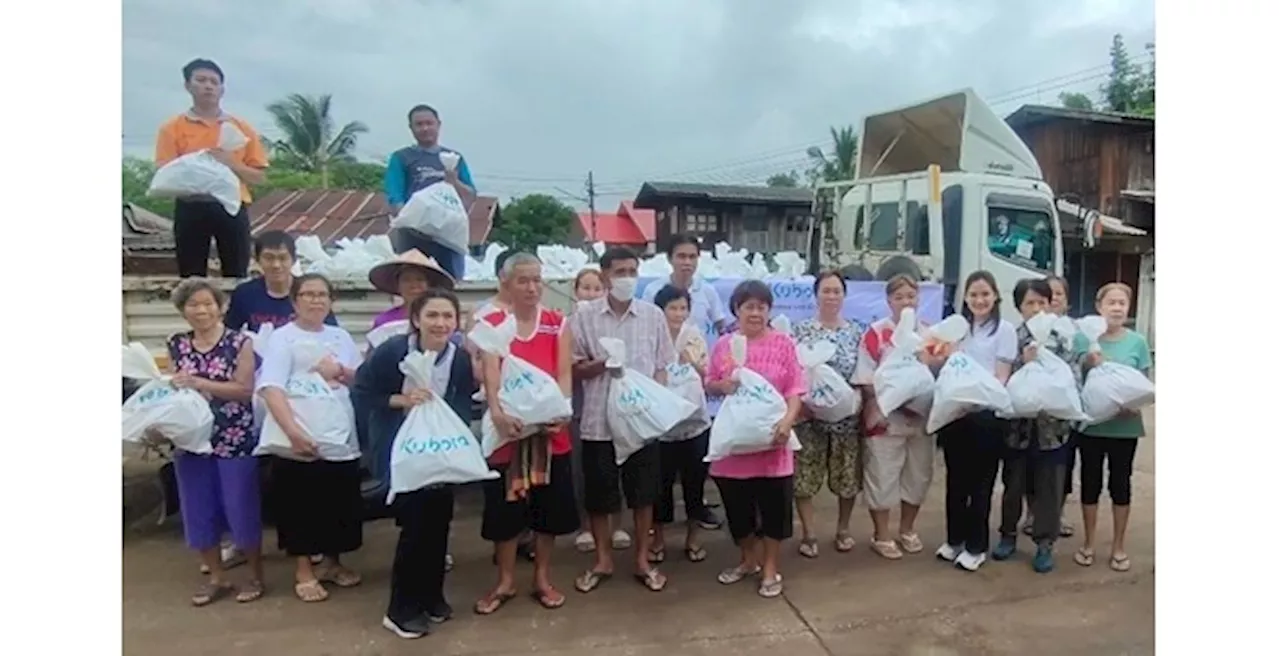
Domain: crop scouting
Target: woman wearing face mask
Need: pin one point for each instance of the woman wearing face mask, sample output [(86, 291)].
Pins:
[(757, 488), (424, 516), (1036, 457), (831, 452), (899, 453), (1112, 443), (588, 286), (972, 444)]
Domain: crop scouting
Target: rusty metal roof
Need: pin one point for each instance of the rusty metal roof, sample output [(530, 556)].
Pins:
[(1028, 114), (332, 214)]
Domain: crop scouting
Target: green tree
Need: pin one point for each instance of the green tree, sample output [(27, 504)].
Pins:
[(310, 141), (136, 178), (1075, 100), (533, 220), (840, 163), (1145, 96), (788, 179)]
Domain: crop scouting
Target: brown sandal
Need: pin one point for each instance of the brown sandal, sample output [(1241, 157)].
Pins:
[(310, 591), (340, 576), (549, 598), (490, 603), (251, 591), (209, 593), (652, 580)]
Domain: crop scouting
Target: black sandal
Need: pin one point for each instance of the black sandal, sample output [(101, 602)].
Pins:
[(251, 591), (210, 592), (695, 554)]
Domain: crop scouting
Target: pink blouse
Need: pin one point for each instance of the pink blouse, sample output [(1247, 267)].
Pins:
[(772, 355)]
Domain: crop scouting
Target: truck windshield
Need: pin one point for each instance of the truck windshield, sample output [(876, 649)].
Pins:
[(1021, 236)]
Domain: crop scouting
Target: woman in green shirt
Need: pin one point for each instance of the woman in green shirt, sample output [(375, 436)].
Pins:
[(1115, 441)]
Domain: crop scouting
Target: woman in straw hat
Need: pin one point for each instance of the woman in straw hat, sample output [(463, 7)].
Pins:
[(408, 275)]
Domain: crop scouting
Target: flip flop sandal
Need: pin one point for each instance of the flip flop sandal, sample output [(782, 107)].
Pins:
[(911, 543), (549, 599), (886, 549), (770, 588), (808, 548), (1028, 528), (209, 593), (620, 541), (735, 574), (251, 591), (490, 603), (657, 556), (1066, 530), (341, 577), (845, 542), (310, 591), (1083, 557), (652, 580), (584, 543), (1120, 563), (695, 554), (590, 580)]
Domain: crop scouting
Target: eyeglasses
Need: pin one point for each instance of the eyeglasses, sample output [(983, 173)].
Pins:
[(313, 296)]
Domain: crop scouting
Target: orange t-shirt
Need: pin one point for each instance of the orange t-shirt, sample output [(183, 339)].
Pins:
[(187, 133)]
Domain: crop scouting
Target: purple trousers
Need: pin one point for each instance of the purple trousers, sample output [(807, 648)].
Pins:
[(218, 495)]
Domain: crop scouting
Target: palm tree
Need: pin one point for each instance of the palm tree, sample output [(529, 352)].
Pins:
[(310, 143), (840, 165)]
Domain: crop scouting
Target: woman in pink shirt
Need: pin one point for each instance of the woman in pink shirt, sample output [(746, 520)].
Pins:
[(757, 488)]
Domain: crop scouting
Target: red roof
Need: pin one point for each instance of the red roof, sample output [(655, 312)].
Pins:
[(626, 226), (332, 214)]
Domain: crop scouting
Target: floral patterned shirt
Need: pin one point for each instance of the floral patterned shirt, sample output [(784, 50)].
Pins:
[(233, 434), (846, 338)]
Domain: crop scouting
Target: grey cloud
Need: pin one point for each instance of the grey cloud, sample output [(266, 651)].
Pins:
[(632, 89)]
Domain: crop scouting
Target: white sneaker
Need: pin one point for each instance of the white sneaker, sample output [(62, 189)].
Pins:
[(971, 562), (947, 552), (621, 540)]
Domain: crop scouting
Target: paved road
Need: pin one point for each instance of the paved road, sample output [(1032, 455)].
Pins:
[(838, 604)]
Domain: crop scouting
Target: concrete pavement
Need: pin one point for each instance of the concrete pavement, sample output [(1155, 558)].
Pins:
[(854, 603)]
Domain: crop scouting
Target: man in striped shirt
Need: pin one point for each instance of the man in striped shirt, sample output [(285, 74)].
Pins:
[(642, 327)]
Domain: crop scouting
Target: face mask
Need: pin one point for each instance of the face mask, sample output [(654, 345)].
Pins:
[(623, 289), (582, 305)]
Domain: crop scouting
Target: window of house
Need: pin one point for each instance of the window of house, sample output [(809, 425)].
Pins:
[(702, 223), (1023, 237)]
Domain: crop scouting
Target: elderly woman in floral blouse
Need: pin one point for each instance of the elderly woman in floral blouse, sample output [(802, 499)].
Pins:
[(218, 491), (832, 451)]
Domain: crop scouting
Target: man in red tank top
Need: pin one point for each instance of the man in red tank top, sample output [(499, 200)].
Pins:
[(535, 488)]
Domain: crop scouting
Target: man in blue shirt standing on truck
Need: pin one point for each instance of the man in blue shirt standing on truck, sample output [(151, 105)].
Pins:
[(417, 167)]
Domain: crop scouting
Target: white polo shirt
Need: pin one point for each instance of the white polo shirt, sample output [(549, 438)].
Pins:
[(705, 306), (987, 346)]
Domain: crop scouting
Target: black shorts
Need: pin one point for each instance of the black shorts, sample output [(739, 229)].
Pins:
[(758, 506), (548, 509), (640, 478)]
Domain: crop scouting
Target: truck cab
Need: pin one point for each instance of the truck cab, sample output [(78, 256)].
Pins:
[(942, 189)]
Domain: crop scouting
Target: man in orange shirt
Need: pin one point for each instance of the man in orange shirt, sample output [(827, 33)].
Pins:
[(196, 220)]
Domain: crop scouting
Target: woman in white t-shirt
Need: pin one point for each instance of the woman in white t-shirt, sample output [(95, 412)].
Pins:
[(972, 444), (317, 486)]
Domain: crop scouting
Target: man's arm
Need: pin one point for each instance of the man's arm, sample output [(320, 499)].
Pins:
[(252, 167), (166, 146), (394, 184), (461, 181)]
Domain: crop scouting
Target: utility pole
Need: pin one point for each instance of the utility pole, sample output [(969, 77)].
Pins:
[(591, 202)]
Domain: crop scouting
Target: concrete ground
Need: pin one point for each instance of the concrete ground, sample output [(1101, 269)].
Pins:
[(855, 603)]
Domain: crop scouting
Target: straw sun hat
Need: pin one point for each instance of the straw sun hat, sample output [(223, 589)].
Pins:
[(385, 275)]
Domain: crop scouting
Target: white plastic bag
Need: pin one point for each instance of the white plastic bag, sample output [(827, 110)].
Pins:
[(197, 174), (260, 339), (747, 417), (830, 398), (639, 410), (1110, 388), (433, 445), (181, 416), (325, 416), (901, 379), (963, 386), (437, 211), (1046, 385), (683, 380), (386, 331), (526, 393)]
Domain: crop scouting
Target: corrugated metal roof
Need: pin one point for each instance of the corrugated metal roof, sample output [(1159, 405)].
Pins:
[(332, 214), (1029, 114), (723, 193)]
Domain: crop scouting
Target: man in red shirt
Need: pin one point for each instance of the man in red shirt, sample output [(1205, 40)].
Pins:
[(535, 490)]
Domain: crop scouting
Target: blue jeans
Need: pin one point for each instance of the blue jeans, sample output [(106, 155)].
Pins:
[(406, 239)]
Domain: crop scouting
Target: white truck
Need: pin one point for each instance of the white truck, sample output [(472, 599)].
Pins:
[(949, 188)]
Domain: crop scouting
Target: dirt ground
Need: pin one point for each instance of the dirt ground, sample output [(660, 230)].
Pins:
[(855, 603)]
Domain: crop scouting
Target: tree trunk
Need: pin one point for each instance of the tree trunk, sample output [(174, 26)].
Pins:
[(324, 175)]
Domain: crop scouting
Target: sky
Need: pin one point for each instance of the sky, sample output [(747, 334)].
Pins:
[(537, 93)]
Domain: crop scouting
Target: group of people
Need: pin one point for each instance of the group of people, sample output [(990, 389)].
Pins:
[(564, 480)]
